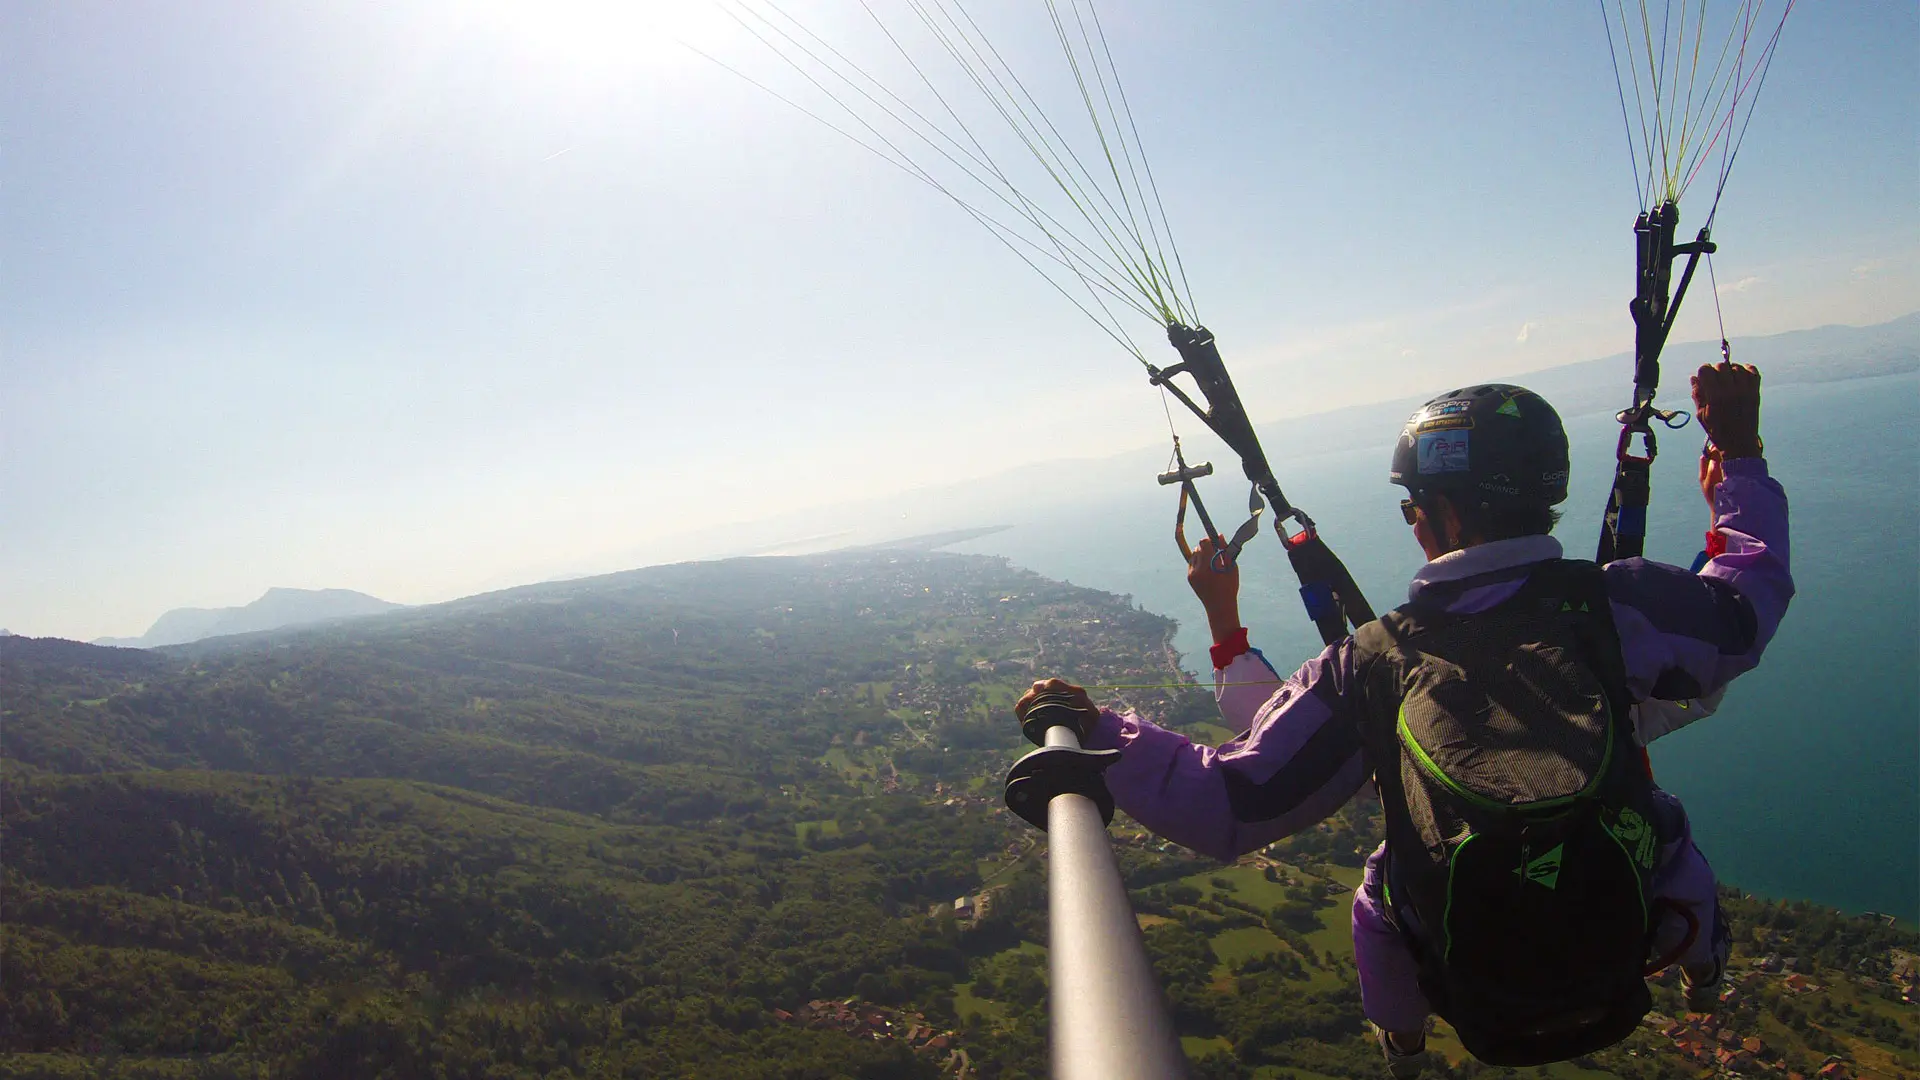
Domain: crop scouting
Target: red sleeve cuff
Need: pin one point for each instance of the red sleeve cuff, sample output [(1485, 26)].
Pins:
[(1716, 543), (1225, 651)]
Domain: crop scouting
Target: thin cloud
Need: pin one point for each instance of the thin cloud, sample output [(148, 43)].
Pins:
[(1869, 268), (1526, 331), (1743, 285)]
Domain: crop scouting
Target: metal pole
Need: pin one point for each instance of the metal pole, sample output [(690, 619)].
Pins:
[(1109, 1018)]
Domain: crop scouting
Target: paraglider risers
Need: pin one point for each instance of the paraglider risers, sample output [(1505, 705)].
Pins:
[(1655, 306), (1331, 595), (1109, 1019), (1200, 360)]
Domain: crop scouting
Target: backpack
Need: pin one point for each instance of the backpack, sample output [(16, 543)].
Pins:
[(1521, 840)]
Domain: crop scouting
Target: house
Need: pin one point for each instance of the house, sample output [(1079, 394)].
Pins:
[(1752, 1045), (963, 907), (1694, 1045)]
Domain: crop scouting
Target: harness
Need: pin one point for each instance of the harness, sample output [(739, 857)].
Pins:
[(1522, 835)]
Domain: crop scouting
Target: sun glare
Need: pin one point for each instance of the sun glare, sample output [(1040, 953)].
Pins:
[(604, 36)]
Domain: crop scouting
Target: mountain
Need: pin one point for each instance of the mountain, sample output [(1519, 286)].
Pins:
[(627, 826), (277, 609)]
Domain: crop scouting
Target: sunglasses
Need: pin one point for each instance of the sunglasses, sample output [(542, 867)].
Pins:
[(1410, 510)]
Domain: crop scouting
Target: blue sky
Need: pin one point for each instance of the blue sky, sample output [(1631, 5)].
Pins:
[(425, 298)]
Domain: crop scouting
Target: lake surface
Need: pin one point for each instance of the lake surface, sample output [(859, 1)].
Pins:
[(1807, 782)]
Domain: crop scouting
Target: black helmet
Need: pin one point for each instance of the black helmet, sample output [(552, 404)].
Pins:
[(1502, 444)]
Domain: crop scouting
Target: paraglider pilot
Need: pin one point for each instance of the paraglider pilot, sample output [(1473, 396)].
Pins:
[(1532, 872)]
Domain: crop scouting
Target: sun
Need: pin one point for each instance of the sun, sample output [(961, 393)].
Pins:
[(595, 35)]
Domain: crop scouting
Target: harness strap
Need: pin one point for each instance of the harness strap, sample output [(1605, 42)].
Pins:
[(1671, 956), (1624, 534), (1331, 596), (1579, 585)]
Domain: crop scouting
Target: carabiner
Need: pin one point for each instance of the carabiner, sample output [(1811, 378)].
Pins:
[(1307, 531)]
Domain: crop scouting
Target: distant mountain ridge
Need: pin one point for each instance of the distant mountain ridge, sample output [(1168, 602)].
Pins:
[(1587, 387), (275, 610)]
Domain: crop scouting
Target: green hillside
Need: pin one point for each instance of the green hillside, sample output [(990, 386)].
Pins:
[(706, 820)]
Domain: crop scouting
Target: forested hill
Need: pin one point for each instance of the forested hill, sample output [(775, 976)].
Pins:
[(707, 820), (606, 826)]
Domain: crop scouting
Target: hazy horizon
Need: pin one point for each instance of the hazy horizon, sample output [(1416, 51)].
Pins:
[(1094, 476)]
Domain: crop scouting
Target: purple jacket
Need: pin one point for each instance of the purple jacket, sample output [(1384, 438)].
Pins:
[(1297, 760)]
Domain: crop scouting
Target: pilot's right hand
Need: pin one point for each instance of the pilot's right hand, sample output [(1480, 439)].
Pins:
[(1726, 398)]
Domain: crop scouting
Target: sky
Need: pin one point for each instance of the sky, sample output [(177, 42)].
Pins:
[(426, 298)]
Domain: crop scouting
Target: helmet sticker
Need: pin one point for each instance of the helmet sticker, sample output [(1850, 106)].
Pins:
[(1443, 452), (1508, 408), (1500, 484), (1444, 423)]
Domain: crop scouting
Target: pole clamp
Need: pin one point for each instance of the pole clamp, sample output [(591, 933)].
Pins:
[(1059, 770)]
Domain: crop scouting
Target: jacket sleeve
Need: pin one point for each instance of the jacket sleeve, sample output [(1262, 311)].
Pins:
[(1243, 686), (1685, 635), (1654, 717), (1298, 762)]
